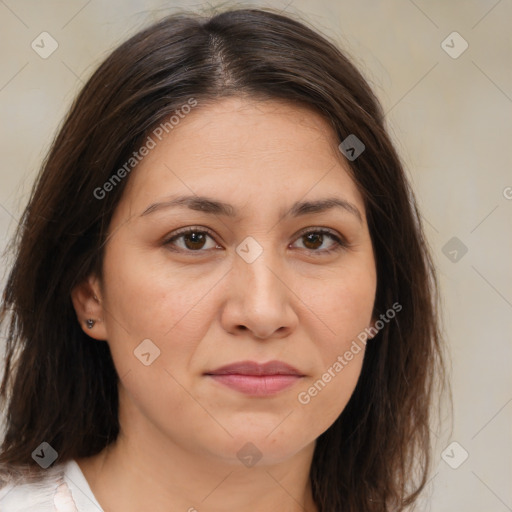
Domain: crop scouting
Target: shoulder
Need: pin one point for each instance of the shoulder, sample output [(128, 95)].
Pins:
[(61, 488), (24, 494)]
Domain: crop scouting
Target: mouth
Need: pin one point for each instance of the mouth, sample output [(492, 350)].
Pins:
[(256, 379)]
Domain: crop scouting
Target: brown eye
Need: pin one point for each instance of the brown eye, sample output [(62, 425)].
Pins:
[(314, 239), (191, 240), (194, 240)]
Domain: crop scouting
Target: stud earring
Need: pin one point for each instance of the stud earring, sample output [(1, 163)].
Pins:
[(90, 323)]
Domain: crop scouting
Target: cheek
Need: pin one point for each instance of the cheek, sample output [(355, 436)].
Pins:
[(149, 298), (327, 394), (342, 310), (145, 301)]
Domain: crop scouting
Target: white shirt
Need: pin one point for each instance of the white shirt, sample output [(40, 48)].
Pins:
[(63, 488)]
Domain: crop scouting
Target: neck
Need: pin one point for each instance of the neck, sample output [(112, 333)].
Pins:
[(145, 470)]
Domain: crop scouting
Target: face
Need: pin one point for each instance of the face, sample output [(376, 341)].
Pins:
[(265, 271)]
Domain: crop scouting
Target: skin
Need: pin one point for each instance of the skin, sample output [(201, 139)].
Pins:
[(180, 430)]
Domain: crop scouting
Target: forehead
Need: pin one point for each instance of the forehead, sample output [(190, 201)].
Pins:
[(236, 126), (247, 149)]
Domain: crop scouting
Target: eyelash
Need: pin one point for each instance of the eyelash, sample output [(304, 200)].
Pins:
[(339, 244)]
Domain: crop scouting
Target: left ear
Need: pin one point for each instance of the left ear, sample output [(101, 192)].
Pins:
[(87, 301)]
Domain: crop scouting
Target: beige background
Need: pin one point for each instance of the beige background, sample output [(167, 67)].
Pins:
[(451, 118)]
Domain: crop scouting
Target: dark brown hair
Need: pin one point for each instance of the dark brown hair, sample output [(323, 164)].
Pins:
[(61, 388)]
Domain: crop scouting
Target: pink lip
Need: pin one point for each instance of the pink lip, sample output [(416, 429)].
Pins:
[(257, 379)]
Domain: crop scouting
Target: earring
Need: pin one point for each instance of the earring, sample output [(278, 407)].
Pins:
[(89, 323)]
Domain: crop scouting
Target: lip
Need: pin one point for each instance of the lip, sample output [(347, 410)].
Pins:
[(257, 379)]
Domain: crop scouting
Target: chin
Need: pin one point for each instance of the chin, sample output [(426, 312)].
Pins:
[(259, 446)]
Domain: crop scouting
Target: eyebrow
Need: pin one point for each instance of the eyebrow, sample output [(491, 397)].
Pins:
[(214, 207)]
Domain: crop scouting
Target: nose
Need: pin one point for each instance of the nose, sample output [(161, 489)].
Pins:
[(259, 299)]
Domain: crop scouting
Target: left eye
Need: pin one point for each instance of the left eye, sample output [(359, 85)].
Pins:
[(316, 238), (195, 240)]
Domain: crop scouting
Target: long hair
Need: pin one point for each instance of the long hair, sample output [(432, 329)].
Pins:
[(60, 388)]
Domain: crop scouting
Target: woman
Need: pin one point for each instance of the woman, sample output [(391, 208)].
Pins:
[(221, 297)]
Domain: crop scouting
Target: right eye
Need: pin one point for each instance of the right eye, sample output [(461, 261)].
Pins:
[(193, 239)]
